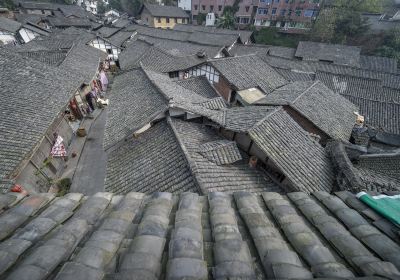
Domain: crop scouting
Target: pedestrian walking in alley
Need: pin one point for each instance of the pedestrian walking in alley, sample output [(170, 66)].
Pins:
[(103, 80)]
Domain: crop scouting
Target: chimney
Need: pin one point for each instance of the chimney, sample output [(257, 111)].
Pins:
[(201, 54), (359, 119), (253, 161)]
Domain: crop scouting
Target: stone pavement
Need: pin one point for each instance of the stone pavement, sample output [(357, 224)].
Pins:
[(89, 174)]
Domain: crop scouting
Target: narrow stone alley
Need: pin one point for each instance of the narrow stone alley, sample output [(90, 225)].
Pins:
[(91, 169)]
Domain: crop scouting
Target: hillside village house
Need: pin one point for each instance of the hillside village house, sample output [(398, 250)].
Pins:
[(162, 16)]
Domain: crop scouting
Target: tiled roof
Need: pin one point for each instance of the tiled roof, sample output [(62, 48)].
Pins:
[(380, 115), (24, 18), (159, 33), (73, 10), (369, 172), (388, 79), (387, 164), (121, 22), (83, 60), (106, 32), (281, 51), (130, 56), (303, 161), (327, 110), (39, 5), (213, 39), (244, 34), (240, 49), (379, 105), (218, 236), (359, 87), (54, 57), (338, 54), (151, 162), (159, 60), (378, 63), (197, 37), (165, 11), (185, 99), (134, 102), (35, 94), (294, 76), (210, 174), (63, 22), (37, 29), (9, 25), (181, 48), (248, 71), (220, 152), (242, 119), (199, 85), (118, 39)]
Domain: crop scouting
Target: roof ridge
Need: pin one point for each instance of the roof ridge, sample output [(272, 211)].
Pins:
[(269, 114), (153, 83), (349, 75), (232, 57), (305, 91), (189, 160)]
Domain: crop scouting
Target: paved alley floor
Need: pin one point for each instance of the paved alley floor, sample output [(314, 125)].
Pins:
[(91, 170)]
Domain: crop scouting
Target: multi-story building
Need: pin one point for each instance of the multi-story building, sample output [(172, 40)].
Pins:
[(286, 14), (209, 6), (290, 15)]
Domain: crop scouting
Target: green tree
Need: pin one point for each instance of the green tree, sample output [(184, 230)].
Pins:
[(9, 4), (201, 18), (101, 7), (367, 6), (391, 45), (324, 26), (227, 20), (349, 24), (343, 21)]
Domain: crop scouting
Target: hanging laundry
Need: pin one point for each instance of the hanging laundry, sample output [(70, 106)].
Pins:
[(58, 149), (103, 80)]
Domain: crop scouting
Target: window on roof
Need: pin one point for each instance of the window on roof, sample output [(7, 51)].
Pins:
[(211, 8), (159, 20), (283, 12), (273, 11), (203, 7), (195, 7), (167, 19), (290, 12), (220, 8), (298, 12), (247, 9)]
